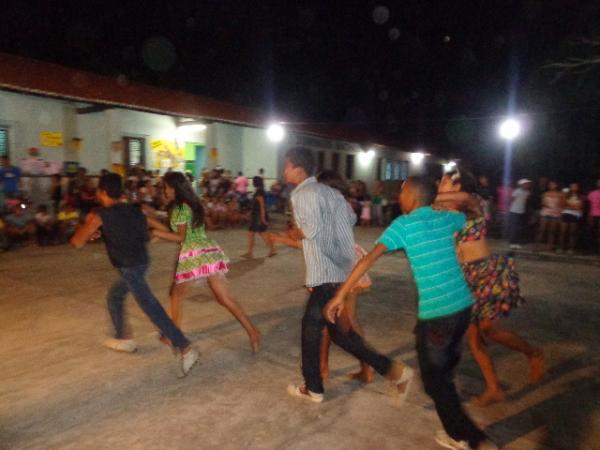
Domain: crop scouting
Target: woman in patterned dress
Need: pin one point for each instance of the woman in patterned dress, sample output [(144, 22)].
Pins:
[(493, 281), (200, 258)]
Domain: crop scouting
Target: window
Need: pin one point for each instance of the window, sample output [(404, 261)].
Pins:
[(335, 162), (349, 167), (135, 151), (395, 170), (3, 141), (320, 161)]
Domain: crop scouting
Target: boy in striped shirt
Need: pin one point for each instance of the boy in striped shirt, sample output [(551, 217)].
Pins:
[(444, 307)]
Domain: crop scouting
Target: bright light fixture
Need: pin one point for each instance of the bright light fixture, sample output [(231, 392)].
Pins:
[(509, 129), (275, 132), (449, 166), (365, 157), (417, 158)]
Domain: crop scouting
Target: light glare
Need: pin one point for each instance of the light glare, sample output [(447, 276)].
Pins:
[(417, 158), (275, 132), (509, 129)]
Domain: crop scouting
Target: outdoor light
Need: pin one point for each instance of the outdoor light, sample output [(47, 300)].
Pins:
[(275, 132), (365, 157), (449, 166), (417, 158), (509, 129)]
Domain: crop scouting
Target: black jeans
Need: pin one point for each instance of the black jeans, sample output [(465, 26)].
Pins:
[(313, 324), (134, 279), (439, 343), (516, 224)]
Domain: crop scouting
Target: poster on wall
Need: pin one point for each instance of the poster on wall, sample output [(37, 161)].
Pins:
[(165, 155), (51, 139)]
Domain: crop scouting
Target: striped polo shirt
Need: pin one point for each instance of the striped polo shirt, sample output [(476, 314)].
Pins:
[(326, 221), (427, 237)]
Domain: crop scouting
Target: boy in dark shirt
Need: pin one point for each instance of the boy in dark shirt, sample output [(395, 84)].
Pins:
[(125, 233)]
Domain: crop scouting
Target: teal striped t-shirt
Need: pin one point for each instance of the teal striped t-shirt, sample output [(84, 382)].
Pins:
[(427, 237)]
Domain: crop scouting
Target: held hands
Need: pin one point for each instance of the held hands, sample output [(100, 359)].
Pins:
[(333, 308)]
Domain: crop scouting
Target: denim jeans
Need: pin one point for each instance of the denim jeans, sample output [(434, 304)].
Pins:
[(133, 279), (313, 324), (439, 343)]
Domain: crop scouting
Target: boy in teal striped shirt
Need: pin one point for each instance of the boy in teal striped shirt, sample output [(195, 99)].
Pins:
[(444, 307)]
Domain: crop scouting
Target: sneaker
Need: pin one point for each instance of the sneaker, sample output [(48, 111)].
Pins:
[(404, 382), (442, 438), (188, 361), (302, 392), (121, 345)]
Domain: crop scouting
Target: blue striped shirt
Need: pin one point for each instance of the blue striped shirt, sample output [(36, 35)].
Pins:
[(326, 221), (427, 237)]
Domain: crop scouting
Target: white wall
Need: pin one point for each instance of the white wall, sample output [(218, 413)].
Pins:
[(27, 116)]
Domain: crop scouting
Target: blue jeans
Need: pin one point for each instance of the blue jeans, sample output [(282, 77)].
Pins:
[(313, 324), (133, 279), (439, 343)]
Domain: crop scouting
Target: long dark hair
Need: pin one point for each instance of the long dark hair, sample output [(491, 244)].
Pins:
[(185, 194), (467, 180)]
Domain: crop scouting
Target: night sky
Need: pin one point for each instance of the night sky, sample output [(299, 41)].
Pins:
[(431, 74)]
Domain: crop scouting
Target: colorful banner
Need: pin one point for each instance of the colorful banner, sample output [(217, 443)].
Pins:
[(51, 139)]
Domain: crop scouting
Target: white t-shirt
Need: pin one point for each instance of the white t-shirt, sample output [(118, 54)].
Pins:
[(519, 201)]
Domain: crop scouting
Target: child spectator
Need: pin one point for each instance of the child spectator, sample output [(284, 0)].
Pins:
[(365, 211), (45, 226), (68, 218), (19, 226)]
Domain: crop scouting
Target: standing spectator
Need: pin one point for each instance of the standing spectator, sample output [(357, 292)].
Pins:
[(485, 192), (518, 210), (10, 180), (241, 184), (377, 206), (552, 206), (56, 192), (594, 215), (258, 219), (570, 217)]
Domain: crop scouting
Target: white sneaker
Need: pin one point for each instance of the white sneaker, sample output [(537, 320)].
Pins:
[(302, 392), (442, 438), (188, 361), (121, 345), (404, 381)]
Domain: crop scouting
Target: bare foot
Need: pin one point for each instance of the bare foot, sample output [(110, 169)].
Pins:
[(489, 396), (536, 367), (364, 375), (255, 341)]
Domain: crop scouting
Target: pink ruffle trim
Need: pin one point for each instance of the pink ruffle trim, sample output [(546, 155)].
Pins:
[(198, 251), (203, 271)]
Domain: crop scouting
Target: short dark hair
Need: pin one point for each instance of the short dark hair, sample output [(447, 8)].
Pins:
[(425, 187), (302, 157), (258, 182), (112, 184)]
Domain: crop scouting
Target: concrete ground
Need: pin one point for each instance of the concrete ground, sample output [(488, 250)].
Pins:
[(61, 389)]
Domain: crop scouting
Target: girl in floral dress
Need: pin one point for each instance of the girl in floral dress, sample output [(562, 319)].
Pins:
[(200, 258)]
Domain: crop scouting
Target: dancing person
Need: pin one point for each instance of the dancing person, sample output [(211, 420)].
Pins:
[(325, 221), (569, 218), (444, 305), (258, 219), (493, 281), (350, 320), (552, 205), (594, 215), (125, 233), (200, 258)]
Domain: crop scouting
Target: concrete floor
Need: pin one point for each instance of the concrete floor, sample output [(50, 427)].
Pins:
[(61, 389)]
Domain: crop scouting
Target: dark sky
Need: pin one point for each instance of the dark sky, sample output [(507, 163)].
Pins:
[(431, 73)]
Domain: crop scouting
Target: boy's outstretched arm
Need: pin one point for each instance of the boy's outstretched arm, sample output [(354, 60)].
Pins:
[(334, 307), (86, 231)]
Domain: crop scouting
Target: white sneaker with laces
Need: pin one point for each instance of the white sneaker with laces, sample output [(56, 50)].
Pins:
[(302, 392), (121, 345), (442, 438), (188, 361)]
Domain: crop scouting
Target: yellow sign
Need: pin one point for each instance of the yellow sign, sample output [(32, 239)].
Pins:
[(51, 139), (166, 154), (214, 153)]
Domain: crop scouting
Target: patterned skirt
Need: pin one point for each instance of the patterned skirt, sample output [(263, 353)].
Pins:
[(200, 263), (495, 286)]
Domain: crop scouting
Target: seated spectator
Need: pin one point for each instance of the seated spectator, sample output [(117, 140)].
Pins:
[(68, 218), (19, 226), (87, 197), (45, 226)]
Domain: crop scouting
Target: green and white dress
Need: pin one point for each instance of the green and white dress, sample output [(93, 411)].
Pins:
[(199, 257)]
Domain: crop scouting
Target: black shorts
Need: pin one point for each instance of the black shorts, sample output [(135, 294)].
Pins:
[(569, 218)]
